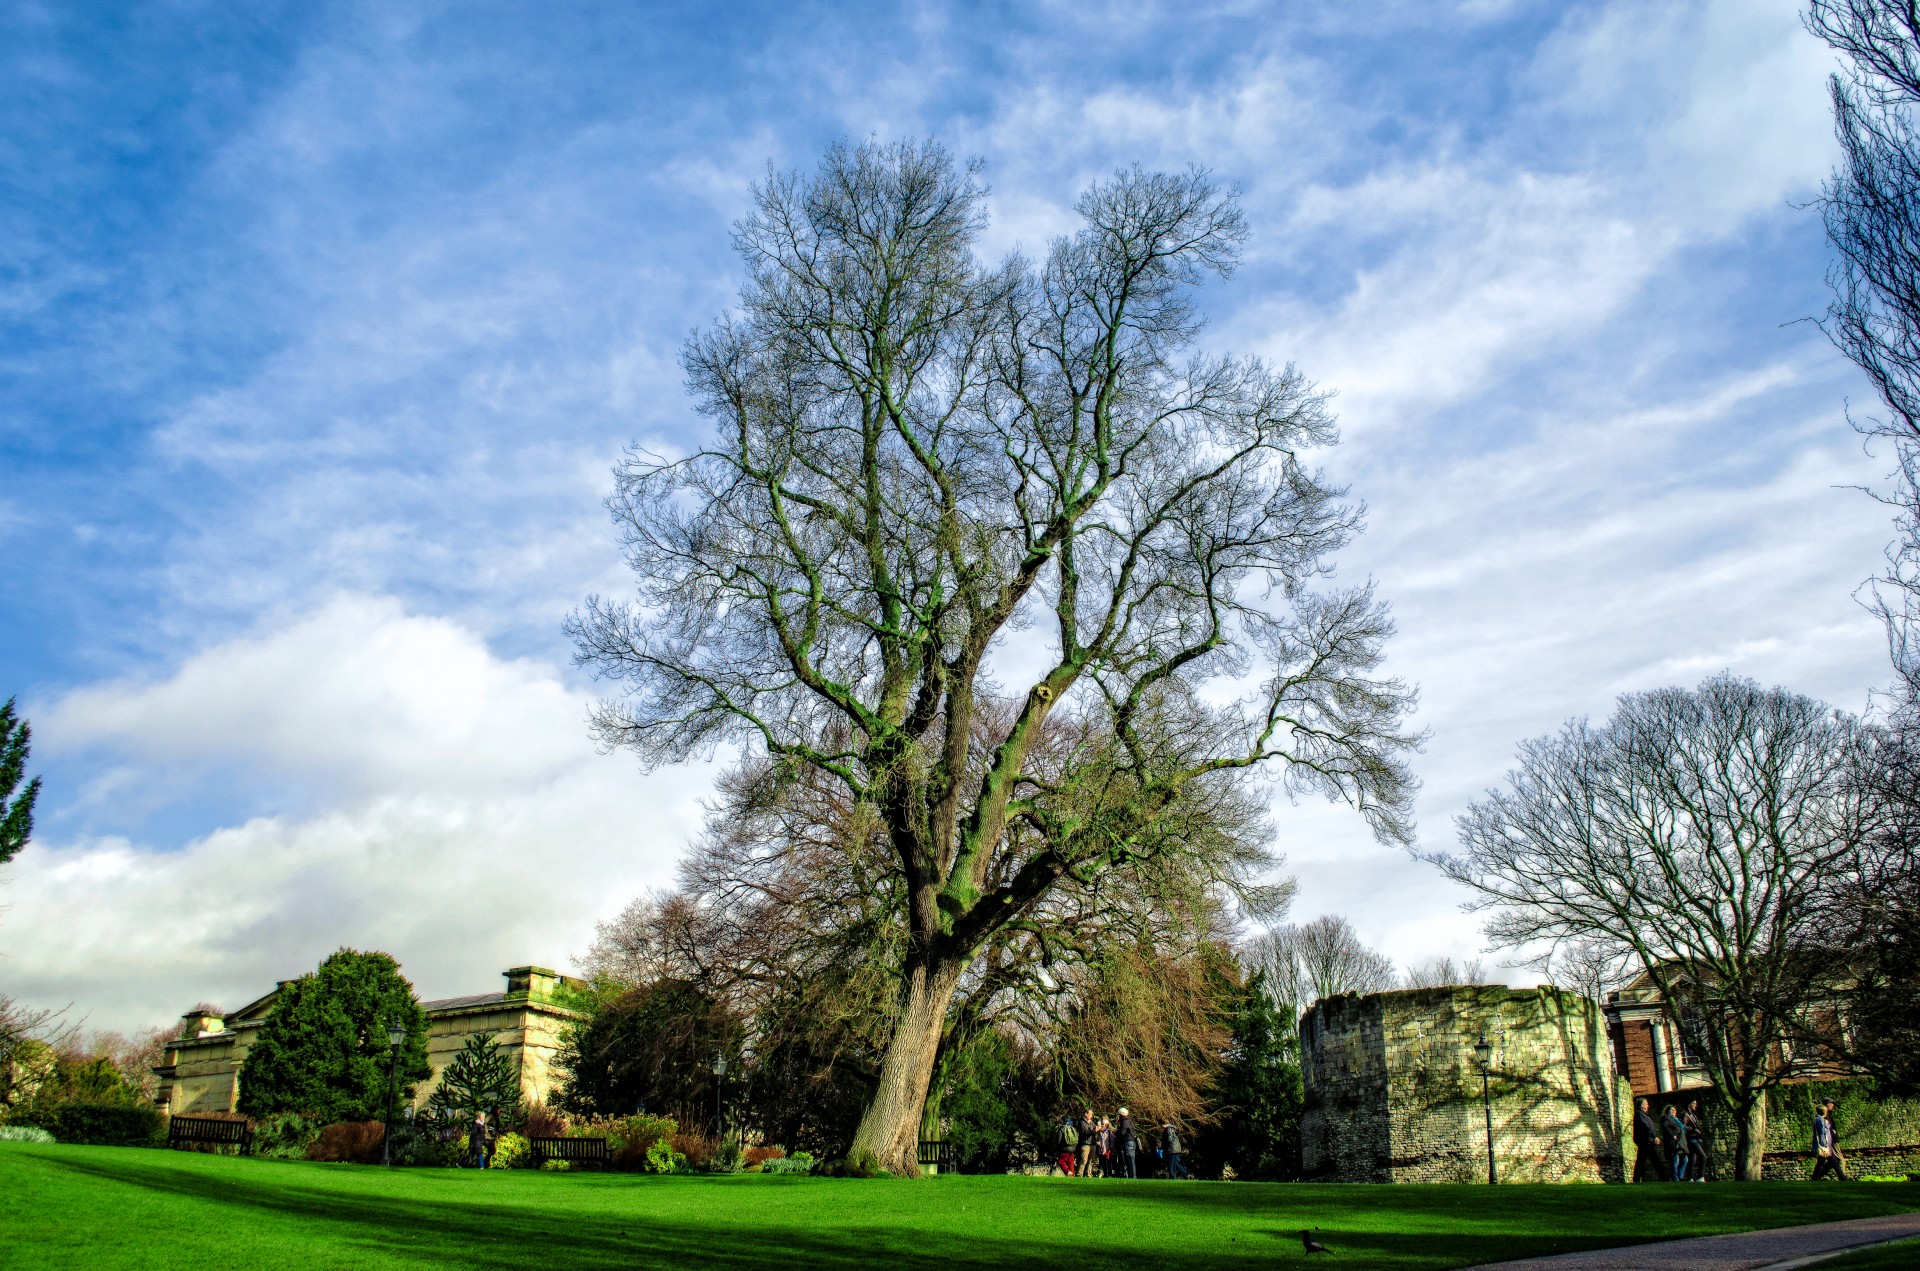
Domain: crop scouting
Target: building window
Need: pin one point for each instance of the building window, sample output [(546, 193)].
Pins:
[(1689, 1040)]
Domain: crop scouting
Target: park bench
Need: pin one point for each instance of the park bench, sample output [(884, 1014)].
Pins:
[(938, 1153), (185, 1132), (573, 1151)]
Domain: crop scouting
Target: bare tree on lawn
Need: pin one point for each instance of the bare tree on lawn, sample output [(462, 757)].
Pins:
[(919, 462), (1693, 835)]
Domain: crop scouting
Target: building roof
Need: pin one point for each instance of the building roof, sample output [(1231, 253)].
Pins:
[(461, 1003)]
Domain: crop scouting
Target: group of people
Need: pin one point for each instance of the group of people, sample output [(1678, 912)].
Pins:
[(1672, 1149), (1094, 1147)]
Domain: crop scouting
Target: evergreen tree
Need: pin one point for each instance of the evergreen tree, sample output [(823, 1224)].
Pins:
[(16, 811), (323, 1049), (1260, 1092), (480, 1079)]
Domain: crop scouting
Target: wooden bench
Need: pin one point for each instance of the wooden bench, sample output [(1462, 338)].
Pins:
[(573, 1151), (184, 1132), (939, 1154)]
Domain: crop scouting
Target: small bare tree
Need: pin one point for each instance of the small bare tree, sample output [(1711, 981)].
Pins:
[(1443, 973), (1693, 835), (1305, 962), (917, 457)]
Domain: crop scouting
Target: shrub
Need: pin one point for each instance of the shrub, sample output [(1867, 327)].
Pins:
[(696, 1147), (757, 1157), (543, 1122), (511, 1151), (631, 1139), (662, 1159), (119, 1124), (419, 1141), (557, 1167), (285, 1135), (728, 1157), (355, 1141), (798, 1163), (24, 1134)]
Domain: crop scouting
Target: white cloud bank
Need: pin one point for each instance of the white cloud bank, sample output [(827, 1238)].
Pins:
[(461, 820)]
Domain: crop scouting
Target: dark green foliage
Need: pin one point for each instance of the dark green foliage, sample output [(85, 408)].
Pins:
[(16, 810), (651, 1047), (481, 1078), (993, 1100), (53, 1081), (1259, 1095), (323, 1048), (116, 1124), (285, 1135)]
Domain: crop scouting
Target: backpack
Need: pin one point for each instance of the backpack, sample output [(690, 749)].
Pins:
[(1069, 1137)]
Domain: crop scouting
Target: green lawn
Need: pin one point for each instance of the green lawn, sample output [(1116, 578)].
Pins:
[(134, 1207), (1903, 1255)]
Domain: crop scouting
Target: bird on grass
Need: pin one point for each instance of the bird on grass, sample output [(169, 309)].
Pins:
[(1313, 1246)]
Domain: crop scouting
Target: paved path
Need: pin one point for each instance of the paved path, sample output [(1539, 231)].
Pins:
[(1775, 1250)]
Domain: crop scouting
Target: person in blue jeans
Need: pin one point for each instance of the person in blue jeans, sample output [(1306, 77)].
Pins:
[(1170, 1150), (1125, 1145), (1673, 1137)]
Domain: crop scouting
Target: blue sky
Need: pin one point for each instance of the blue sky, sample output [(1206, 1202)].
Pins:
[(321, 326)]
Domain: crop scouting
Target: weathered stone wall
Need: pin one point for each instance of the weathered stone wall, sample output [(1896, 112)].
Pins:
[(1393, 1088)]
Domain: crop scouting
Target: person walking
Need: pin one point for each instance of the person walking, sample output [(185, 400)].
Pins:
[(1170, 1149), (477, 1140), (1698, 1164), (1089, 1136), (1069, 1146), (1646, 1145), (1673, 1140), (1126, 1146), (1826, 1145)]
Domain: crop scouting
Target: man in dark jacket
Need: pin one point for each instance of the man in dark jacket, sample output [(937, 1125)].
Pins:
[(1647, 1166), (1170, 1148), (477, 1140), (1125, 1144)]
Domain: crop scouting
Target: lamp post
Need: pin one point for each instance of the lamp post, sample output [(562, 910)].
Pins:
[(719, 1076), (1484, 1053), (396, 1038)]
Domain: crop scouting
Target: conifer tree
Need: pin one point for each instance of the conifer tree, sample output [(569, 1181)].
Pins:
[(481, 1078), (323, 1049), (16, 811)]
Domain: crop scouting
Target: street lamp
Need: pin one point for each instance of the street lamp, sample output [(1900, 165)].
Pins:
[(1484, 1053), (719, 1076), (396, 1038)]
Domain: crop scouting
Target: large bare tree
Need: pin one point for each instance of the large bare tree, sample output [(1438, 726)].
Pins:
[(1871, 207), (1692, 837), (1305, 962), (928, 477)]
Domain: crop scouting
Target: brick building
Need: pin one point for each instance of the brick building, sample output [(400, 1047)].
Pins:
[(201, 1069), (1650, 1050)]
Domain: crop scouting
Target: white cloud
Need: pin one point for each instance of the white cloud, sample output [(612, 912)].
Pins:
[(465, 821)]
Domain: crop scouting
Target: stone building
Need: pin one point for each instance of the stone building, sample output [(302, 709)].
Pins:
[(201, 1069), (1393, 1088)]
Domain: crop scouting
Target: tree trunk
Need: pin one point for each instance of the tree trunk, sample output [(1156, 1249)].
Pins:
[(1752, 1146), (890, 1130)]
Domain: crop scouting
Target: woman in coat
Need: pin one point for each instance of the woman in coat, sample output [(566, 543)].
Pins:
[(1673, 1137)]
